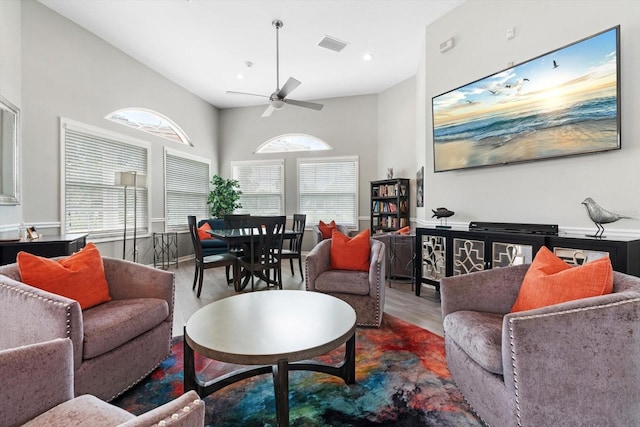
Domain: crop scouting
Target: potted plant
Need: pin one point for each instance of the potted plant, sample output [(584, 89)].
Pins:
[(224, 196)]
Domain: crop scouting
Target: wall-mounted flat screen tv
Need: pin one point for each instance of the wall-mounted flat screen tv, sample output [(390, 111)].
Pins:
[(563, 103)]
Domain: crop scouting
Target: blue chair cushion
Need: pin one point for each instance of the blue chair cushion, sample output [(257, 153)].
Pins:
[(213, 246)]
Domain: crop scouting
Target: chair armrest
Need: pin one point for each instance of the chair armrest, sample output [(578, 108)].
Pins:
[(29, 315), (492, 291), (317, 235), (377, 273), (130, 280), (317, 262), (343, 229), (580, 355), (174, 413), (35, 378)]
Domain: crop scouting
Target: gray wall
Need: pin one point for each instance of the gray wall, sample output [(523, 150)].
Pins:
[(547, 191), (68, 72), (397, 134)]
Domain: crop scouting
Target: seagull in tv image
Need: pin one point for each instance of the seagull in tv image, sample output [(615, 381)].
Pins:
[(600, 216)]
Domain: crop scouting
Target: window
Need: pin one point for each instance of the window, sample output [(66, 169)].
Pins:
[(262, 186), (328, 190), (293, 142), (151, 122), (186, 180), (92, 202)]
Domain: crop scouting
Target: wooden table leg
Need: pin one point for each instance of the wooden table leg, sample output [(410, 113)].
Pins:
[(281, 389), (189, 365), (350, 361)]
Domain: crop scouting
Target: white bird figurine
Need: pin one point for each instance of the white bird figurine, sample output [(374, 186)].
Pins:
[(600, 216)]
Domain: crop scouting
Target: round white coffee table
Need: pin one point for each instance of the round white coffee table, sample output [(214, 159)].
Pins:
[(278, 330)]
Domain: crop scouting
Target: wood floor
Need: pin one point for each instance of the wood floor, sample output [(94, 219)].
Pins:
[(400, 300)]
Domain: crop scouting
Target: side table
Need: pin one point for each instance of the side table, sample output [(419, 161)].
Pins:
[(165, 249), (400, 257)]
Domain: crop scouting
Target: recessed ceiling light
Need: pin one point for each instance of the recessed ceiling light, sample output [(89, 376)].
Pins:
[(367, 57), (239, 76)]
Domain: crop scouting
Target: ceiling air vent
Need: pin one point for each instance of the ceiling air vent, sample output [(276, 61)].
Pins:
[(332, 44)]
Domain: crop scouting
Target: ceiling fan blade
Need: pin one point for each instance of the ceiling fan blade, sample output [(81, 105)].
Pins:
[(268, 111), (304, 104), (245, 93), (288, 87)]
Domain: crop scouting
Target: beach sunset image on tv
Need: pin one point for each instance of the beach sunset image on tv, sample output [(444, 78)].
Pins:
[(563, 103)]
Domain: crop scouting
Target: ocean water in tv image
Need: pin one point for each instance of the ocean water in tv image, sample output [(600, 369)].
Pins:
[(563, 103)]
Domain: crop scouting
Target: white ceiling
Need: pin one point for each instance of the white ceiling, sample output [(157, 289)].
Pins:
[(203, 44)]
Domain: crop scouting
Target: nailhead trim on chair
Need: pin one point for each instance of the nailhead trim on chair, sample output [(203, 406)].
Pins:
[(45, 299), (145, 375), (535, 316), (176, 416)]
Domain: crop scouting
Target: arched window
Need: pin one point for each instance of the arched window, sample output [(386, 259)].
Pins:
[(151, 122), (293, 142)]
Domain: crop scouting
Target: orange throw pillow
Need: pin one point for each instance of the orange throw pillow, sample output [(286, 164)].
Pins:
[(550, 280), (350, 254), (404, 230), (327, 229), (79, 277), (202, 231)]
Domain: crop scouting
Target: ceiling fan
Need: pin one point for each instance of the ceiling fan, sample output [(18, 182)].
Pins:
[(278, 98)]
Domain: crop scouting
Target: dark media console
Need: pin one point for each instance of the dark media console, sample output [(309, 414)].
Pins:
[(484, 245), (509, 227)]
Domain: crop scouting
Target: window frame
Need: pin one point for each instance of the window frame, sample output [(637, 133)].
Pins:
[(265, 147), (275, 162), (181, 135), (307, 160), (187, 156), (68, 124)]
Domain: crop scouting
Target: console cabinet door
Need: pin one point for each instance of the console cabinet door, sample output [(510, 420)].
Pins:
[(468, 256)]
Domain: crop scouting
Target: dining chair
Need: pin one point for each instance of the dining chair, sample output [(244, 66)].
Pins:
[(235, 221), (294, 251), (264, 247), (212, 261)]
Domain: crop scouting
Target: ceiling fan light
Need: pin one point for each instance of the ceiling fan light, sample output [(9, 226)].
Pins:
[(277, 104)]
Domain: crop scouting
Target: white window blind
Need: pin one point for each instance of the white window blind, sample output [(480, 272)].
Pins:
[(262, 186), (92, 202), (187, 188), (328, 190)]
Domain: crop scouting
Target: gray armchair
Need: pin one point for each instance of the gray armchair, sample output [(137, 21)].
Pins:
[(317, 234), (363, 290), (115, 344), (37, 390), (574, 363)]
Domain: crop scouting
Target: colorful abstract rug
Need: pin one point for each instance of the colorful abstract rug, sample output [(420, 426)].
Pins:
[(401, 375)]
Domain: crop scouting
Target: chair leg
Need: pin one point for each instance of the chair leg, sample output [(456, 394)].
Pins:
[(195, 278), (300, 265), (291, 264), (229, 280), (200, 282)]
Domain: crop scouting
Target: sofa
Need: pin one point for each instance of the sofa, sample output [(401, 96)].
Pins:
[(37, 390), (574, 363), (115, 344), (213, 246), (362, 290)]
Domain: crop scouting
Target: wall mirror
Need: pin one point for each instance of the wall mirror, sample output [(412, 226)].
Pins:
[(9, 145)]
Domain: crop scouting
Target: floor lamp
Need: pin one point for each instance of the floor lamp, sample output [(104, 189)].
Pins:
[(135, 180)]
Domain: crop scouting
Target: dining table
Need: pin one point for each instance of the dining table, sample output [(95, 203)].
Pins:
[(244, 236)]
